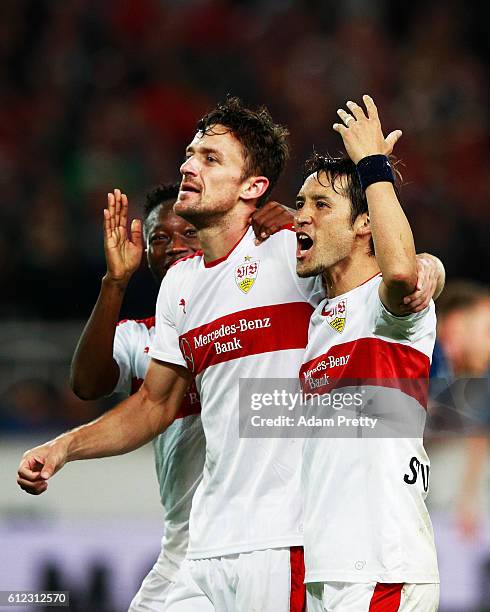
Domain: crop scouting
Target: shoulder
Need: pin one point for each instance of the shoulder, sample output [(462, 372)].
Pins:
[(182, 269), (186, 263), (284, 239), (135, 327)]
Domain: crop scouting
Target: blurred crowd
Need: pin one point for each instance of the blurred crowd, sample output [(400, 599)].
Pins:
[(96, 95)]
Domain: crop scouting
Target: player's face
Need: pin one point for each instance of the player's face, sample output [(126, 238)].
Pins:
[(324, 232), (169, 238), (212, 176)]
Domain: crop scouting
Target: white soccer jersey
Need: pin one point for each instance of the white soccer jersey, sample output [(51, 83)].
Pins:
[(242, 316), (179, 451), (364, 495)]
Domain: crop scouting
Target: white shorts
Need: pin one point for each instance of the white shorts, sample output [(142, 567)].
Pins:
[(260, 581), (154, 589), (152, 594), (371, 597)]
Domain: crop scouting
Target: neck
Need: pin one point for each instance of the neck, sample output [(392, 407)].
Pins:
[(349, 273), (218, 238)]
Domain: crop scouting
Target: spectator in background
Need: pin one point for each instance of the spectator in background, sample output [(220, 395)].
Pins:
[(463, 361)]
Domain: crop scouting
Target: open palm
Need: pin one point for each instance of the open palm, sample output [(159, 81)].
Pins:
[(122, 251)]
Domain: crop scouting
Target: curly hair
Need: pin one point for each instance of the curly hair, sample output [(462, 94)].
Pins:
[(160, 194), (264, 142)]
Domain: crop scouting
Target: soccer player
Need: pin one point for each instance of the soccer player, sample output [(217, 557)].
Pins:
[(234, 311), (368, 537), (113, 357)]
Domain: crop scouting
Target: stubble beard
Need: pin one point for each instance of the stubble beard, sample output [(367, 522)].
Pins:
[(312, 268), (202, 219), (307, 273)]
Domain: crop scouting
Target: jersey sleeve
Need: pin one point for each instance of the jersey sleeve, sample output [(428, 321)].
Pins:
[(411, 328), (165, 345), (123, 344), (311, 287)]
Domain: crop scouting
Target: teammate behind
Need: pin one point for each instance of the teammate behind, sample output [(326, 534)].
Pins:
[(368, 537), (113, 357)]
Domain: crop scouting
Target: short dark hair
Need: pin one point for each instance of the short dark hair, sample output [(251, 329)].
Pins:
[(162, 193), (264, 142), (460, 294), (342, 166)]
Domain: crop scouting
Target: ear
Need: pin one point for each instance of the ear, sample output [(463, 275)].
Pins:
[(362, 227), (254, 187)]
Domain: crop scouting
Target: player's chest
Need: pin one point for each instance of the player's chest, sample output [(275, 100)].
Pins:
[(248, 282), (338, 322)]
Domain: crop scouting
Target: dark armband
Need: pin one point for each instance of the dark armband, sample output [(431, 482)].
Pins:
[(374, 169)]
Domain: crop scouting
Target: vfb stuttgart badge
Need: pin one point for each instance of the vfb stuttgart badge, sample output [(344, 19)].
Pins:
[(246, 273), (336, 315)]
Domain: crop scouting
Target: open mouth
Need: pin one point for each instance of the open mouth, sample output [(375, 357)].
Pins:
[(304, 244), (189, 188)]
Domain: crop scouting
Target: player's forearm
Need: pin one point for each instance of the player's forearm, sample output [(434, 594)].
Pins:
[(392, 237), (129, 425), (94, 372)]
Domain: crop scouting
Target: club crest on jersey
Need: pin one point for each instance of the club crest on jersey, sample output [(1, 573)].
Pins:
[(335, 315), (246, 273)]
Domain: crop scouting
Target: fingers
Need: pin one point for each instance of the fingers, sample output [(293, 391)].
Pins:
[(426, 285), (270, 219), (391, 140), (107, 223), (340, 128), (124, 210), (117, 214), (117, 205), (137, 232), (372, 111), (29, 475), (33, 488), (419, 301), (356, 110), (111, 207), (346, 117)]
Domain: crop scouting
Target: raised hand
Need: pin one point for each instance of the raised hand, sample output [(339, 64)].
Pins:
[(123, 252), (361, 131)]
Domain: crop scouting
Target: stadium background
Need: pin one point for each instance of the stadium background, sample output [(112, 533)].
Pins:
[(97, 95)]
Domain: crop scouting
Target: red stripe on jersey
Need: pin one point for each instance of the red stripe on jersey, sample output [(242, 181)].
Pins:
[(197, 253), (190, 403), (248, 332), (149, 322), (386, 598), (297, 597), (374, 361)]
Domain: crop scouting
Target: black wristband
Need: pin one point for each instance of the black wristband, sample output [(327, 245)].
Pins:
[(374, 169)]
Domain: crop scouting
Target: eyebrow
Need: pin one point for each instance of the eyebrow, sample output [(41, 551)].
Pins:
[(204, 150), (315, 196)]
